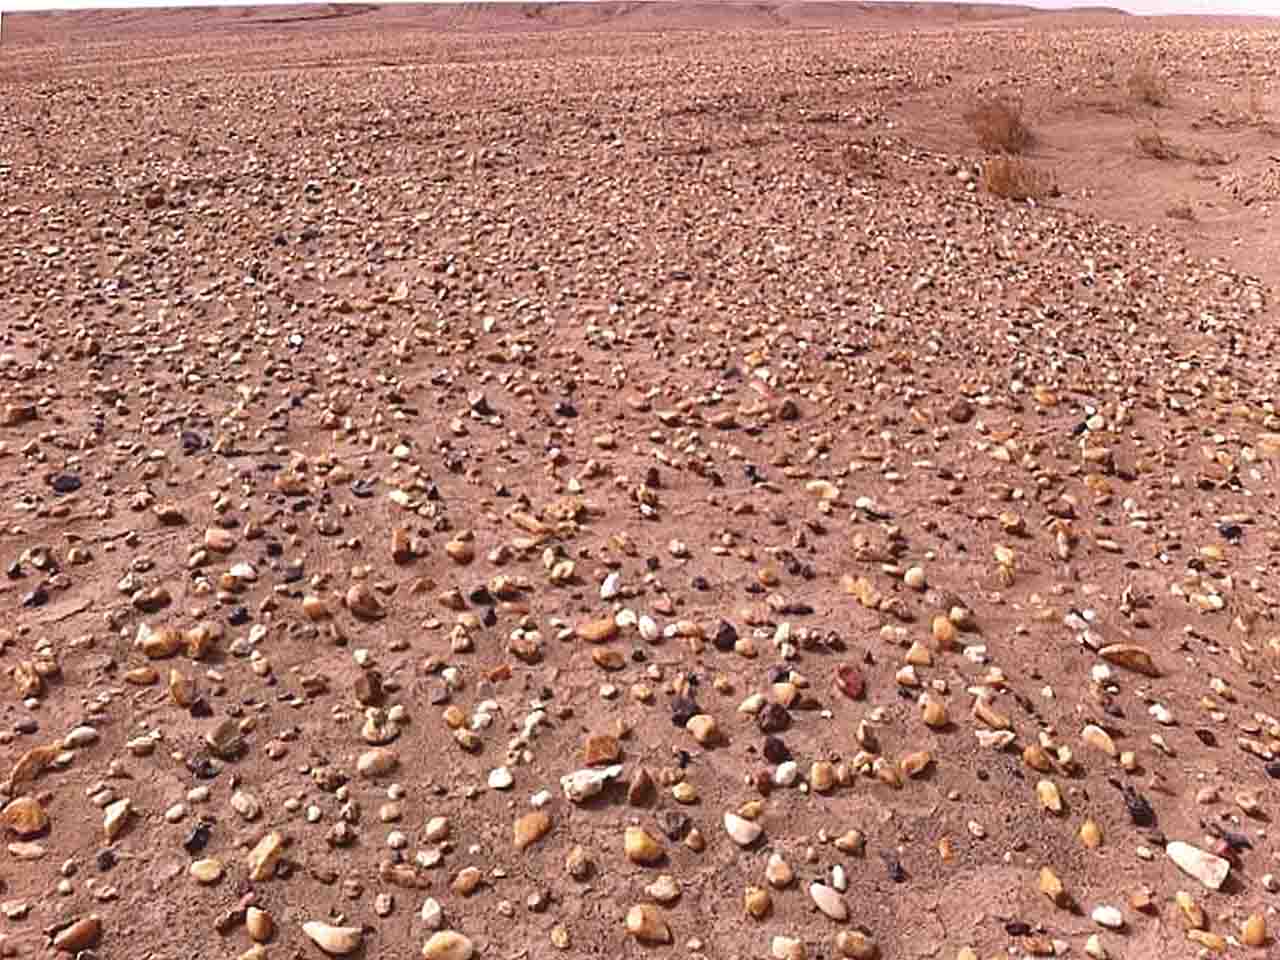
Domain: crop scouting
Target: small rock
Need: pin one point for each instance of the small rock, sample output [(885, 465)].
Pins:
[(645, 923), (829, 901), (778, 872), (115, 817), (787, 948), (581, 785), (531, 828), (640, 847), (1109, 917), (377, 762), (265, 855), (666, 889), (757, 902), (641, 790), (207, 871), (856, 945), (364, 603), (259, 924), (704, 729), (1253, 933), (81, 935), (448, 945), (1131, 657), (743, 832), (1208, 869), (601, 750), (598, 631), (335, 941), (25, 817)]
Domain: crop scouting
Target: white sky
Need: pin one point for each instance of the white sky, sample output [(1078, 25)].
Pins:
[(1221, 7)]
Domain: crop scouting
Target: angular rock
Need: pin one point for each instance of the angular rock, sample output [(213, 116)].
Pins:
[(1208, 869)]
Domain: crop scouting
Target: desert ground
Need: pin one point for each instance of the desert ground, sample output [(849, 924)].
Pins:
[(706, 480)]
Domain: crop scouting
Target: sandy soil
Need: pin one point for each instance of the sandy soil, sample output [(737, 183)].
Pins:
[(405, 409)]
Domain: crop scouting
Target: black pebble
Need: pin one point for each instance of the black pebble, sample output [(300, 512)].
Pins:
[(775, 751), (683, 710), (65, 483), (197, 839), (726, 636)]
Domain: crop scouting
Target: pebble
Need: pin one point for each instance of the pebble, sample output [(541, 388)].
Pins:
[(856, 945), (742, 832), (757, 902), (1210, 870), (259, 924), (207, 871), (80, 935), (448, 945), (778, 872), (265, 856), (641, 847), (115, 817), (377, 762), (333, 940), (829, 901), (531, 828), (1108, 917), (666, 889), (787, 948), (25, 817), (645, 923)]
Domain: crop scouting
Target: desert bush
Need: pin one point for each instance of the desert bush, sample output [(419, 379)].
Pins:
[(1152, 143), (1015, 179), (998, 124), (1180, 210), (1148, 85)]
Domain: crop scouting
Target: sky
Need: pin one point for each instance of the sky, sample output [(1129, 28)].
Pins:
[(1251, 7)]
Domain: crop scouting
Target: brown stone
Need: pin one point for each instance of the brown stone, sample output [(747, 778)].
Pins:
[(25, 817), (601, 749), (531, 828)]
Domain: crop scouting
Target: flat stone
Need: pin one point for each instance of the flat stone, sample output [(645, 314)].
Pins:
[(25, 817), (1208, 869)]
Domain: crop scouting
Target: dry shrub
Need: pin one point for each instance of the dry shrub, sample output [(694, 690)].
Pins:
[(1180, 209), (999, 125), (1016, 179), (1148, 85), (1152, 143)]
